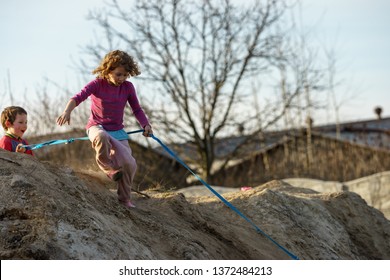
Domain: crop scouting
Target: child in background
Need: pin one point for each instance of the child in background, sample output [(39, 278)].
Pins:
[(109, 93), (14, 121)]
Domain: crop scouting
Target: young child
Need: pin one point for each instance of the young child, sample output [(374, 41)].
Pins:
[(14, 121), (109, 93)]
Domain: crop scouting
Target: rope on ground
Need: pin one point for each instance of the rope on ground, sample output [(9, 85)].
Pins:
[(227, 203)]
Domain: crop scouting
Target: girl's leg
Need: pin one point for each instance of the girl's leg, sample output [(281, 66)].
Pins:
[(113, 156), (101, 142), (123, 157)]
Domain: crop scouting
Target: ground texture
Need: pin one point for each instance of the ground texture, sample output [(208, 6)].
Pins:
[(52, 212)]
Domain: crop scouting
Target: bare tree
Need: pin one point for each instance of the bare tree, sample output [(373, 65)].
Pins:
[(7, 90), (45, 110), (378, 112), (3, 95), (200, 57), (11, 96)]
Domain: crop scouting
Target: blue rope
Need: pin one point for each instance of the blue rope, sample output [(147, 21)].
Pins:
[(227, 203), (66, 141)]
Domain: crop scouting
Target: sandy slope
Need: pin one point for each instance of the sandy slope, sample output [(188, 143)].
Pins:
[(49, 212), (374, 189)]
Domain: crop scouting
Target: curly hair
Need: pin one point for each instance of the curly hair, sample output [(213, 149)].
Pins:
[(9, 114), (115, 59)]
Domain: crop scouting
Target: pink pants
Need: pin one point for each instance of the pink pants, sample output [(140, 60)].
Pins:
[(112, 155)]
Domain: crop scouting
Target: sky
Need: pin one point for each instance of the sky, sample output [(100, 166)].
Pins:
[(44, 38)]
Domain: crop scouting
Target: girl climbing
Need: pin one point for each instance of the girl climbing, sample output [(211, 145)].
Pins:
[(109, 93)]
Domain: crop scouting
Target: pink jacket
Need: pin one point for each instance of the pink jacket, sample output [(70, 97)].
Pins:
[(108, 104)]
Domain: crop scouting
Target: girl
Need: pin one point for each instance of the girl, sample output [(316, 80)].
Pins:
[(109, 94)]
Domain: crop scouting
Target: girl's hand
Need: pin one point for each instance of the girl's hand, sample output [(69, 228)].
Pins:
[(64, 118), (20, 148), (147, 131)]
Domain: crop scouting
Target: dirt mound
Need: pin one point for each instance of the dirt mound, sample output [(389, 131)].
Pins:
[(374, 189), (48, 212)]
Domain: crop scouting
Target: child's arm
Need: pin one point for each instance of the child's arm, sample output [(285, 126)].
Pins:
[(147, 131), (5, 144), (65, 116), (20, 149)]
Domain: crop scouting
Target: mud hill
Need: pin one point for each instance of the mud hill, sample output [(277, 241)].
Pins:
[(54, 212)]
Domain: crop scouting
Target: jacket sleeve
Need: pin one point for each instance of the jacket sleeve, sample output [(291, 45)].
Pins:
[(90, 88), (136, 108), (5, 144)]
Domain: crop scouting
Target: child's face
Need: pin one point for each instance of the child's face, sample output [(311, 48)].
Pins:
[(19, 127), (118, 76)]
